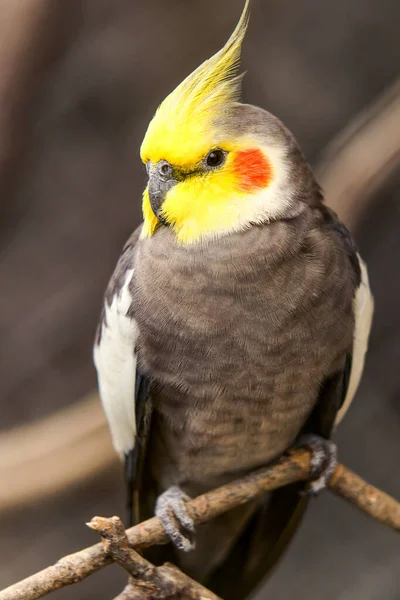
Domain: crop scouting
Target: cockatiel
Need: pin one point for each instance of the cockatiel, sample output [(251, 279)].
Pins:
[(236, 321)]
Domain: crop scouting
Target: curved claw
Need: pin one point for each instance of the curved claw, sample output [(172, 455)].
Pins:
[(170, 509), (323, 461)]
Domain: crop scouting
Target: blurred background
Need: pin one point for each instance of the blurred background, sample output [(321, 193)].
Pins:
[(79, 82)]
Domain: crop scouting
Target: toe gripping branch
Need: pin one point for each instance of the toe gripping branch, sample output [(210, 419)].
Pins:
[(178, 525), (323, 461)]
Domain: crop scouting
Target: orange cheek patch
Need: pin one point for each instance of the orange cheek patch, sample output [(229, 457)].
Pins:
[(252, 170)]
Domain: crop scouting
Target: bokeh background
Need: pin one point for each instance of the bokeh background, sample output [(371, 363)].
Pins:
[(79, 81)]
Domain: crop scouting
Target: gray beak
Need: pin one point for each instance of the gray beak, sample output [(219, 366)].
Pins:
[(161, 180)]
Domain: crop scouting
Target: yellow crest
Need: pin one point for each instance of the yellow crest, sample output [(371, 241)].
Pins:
[(181, 130)]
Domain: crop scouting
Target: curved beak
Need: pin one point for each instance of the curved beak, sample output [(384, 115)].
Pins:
[(161, 180)]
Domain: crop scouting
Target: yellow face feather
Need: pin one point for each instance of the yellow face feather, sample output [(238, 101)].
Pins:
[(184, 131), (150, 221), (181, 130), (218, 204)]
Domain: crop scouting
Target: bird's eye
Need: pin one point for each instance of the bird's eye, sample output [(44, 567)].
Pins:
[(215, 158)]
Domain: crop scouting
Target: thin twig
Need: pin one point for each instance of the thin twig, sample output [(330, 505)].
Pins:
[(372, 501), (289, 469), (116, 545), (147, 581), (195, 589)]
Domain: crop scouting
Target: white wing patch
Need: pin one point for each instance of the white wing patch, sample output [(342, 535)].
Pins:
[(115, 361), (363, 312)]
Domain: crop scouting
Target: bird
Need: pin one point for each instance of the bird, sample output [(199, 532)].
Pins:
[(234, 327)]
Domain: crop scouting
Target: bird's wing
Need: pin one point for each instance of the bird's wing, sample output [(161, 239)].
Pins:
[(273, 526), (363, 313), (123, 389)]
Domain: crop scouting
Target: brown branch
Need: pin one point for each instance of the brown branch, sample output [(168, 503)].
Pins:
[(289, 469), (116, 545), (147, 581), (369, 499)]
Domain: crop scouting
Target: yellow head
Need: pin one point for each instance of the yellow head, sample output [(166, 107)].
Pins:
[(214, 165)]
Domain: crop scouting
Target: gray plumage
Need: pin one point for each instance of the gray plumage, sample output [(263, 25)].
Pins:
[(237, 336)]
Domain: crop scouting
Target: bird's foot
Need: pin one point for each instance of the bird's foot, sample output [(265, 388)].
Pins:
[(171, 509), (323, 461)]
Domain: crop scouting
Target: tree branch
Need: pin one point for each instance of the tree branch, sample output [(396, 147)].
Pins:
[(369, 499), (147, 581), (289, 469)]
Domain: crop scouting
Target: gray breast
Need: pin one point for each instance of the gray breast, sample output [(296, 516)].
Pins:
[(237, 336)]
